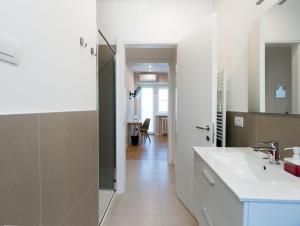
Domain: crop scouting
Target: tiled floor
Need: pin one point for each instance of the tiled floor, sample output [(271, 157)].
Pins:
[(156, 150), (150, 198)]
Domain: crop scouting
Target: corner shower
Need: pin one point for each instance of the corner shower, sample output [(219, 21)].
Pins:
[(107, 123)]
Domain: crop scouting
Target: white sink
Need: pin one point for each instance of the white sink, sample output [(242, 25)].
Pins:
[(238, 187), (250, 176), (251, 166)]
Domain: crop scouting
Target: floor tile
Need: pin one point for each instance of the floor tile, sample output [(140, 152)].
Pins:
[(178, 220), (139, 202), (171, 205), (150, 198), (145, 182), (135, 220)]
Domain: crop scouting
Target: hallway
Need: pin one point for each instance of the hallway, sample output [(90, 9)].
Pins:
[(150, 198), (156, 150)]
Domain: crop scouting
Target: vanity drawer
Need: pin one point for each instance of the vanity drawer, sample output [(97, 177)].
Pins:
[(202, 194), (216, 204), (199, 167), (275, 214)]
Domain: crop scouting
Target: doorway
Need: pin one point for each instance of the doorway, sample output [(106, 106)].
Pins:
[(150, 74), (150, 197), (150, 104), (150, 70)]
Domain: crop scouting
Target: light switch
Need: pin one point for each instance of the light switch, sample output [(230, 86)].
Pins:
[(239, 121)]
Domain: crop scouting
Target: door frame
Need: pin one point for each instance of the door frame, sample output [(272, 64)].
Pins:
[(121, 157)]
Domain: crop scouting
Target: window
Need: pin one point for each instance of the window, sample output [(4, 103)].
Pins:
[(153, 101), (147, 103), (163, 96)]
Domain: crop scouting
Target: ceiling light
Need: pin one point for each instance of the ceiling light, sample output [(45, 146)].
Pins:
[(259, 2), (150, 66)]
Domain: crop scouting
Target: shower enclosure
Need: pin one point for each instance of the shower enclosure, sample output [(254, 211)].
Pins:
[(107, 123)]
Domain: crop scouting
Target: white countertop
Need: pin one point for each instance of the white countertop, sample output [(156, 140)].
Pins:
[(251, 189)]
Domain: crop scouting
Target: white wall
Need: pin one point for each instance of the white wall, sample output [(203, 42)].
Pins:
[(277, 25), (130, 86), (282, 22), (150, 21), (55, 73), (256, 69), (235, 20)]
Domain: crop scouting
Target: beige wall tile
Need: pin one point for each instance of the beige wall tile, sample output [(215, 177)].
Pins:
[(85, 212), (66, 152), (94, 165), (65, 146), (264, 127), (19, 170), (241, 137)]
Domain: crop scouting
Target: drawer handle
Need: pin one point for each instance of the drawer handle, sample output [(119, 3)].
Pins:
[(209, 177), (207, 217)]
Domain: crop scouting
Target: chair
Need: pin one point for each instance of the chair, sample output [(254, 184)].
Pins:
[(144, 130)]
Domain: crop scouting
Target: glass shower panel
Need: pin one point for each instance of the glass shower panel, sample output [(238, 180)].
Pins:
[(107, 117)]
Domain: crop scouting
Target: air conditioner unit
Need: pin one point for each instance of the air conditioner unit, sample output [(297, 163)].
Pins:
[(148, 78)]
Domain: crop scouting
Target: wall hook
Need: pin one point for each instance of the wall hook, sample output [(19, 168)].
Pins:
[(82, 42), (94, 52)]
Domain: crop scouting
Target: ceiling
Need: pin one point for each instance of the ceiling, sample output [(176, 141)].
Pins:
[(149, 67)]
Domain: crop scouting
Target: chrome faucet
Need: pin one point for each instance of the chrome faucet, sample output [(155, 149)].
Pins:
[(272, 149)]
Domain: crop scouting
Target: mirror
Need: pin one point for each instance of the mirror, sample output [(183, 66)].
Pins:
[(274, 61)]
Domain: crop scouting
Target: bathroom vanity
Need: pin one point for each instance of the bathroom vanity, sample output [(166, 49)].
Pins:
[(237, 187)]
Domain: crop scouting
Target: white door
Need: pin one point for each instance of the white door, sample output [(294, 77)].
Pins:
[(196, 102)]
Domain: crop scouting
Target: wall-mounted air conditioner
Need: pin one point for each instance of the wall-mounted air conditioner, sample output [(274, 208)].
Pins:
[(148, 78)]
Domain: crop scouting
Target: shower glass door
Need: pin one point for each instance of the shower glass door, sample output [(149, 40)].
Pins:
[(107, 126)]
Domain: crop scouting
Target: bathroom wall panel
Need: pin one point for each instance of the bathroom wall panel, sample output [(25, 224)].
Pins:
[(264, 127), (65, 160), (19, 170), (85, 210), (239, 137), (49, 169)]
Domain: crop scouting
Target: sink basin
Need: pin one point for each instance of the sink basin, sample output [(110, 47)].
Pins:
[(239, 187), (250, 176), (249, 166)]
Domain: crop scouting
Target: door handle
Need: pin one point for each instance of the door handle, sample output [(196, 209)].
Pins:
[(209, 177), (207, 128)]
